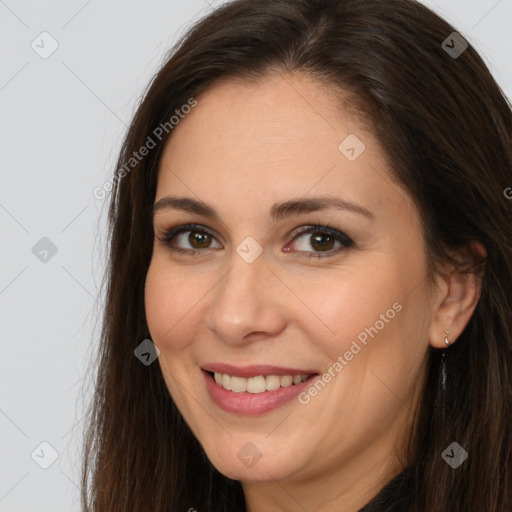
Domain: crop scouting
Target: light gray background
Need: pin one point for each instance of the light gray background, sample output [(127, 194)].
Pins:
[(61, 124)]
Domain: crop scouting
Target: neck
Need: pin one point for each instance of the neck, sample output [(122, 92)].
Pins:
[(346, 488)]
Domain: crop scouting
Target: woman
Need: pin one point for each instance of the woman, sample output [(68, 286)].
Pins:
[(310, 261)]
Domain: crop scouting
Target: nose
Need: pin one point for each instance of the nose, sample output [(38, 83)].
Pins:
[(246, 304)]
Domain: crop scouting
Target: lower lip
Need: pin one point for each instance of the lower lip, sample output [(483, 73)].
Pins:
[(253, 403)]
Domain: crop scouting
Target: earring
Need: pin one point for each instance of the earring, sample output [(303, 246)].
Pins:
[(442, 384)]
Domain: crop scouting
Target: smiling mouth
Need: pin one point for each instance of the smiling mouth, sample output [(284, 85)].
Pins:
[(259, 383), (262, 389)]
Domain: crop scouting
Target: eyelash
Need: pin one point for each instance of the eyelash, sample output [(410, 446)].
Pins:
[(324, 229)]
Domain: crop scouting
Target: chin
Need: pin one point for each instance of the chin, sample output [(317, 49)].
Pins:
[(259, 461)]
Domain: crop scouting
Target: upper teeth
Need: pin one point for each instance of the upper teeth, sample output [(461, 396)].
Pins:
[(257, 384)]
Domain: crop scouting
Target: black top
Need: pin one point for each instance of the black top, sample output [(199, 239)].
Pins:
[(395, 497)]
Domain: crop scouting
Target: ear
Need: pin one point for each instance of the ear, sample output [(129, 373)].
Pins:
[(455, 301)]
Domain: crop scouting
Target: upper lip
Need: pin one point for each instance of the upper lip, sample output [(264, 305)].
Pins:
[(254, 370)]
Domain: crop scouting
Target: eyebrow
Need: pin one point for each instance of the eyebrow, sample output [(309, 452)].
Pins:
[(277, 212)]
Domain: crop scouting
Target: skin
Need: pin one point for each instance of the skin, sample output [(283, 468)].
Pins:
[(243, 148)]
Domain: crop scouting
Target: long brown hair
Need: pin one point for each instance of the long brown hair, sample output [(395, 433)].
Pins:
[(446, 127)]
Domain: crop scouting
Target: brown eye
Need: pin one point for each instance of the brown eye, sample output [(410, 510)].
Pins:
[(321, 239), (323, 242), (199, 238)]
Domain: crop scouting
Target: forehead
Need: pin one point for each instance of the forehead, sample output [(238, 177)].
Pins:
[(281, 117), (266, 141)]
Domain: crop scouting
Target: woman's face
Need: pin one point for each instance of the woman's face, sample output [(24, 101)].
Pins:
[(268, 305)]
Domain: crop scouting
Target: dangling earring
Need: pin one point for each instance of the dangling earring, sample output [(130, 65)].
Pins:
[(443, 374)]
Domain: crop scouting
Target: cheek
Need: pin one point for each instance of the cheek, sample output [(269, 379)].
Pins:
[(169, 304), (348, 308)]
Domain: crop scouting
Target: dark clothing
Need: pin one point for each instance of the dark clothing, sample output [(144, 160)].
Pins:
[(395, 497)]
